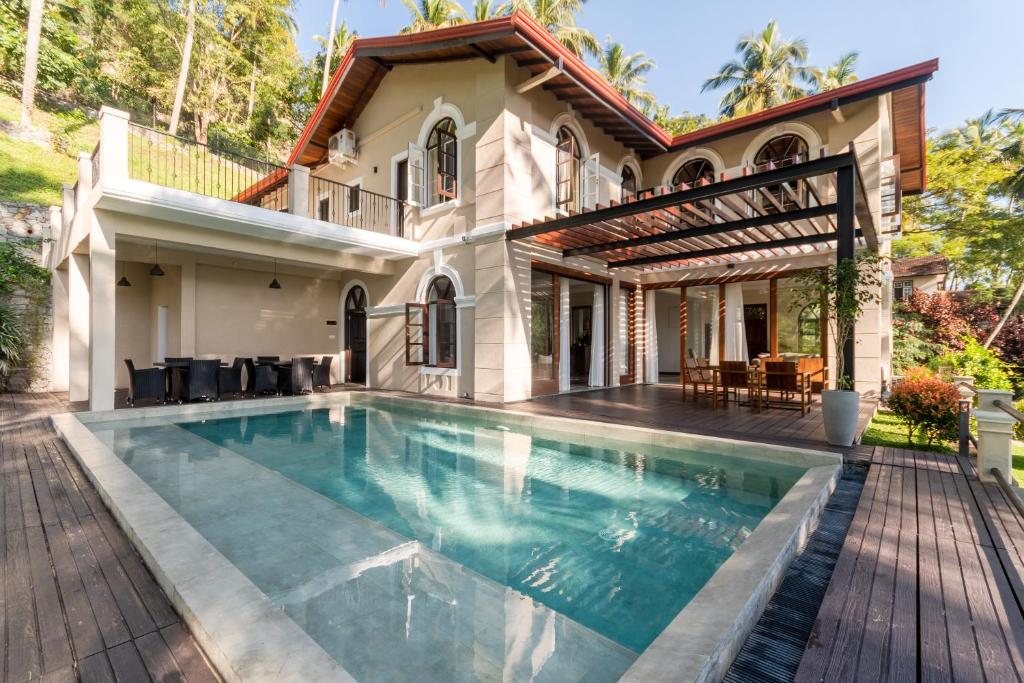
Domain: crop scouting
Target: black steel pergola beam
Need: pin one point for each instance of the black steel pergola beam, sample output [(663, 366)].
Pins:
[(724, 251), (706, 230), (807, 169)]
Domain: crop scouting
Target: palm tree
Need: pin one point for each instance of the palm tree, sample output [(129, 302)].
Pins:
[(28, 82), (842, 72), (983, 134), (431, 14), (484, 10), (625, 73), (559, 18), (334, 46), (765, 74)]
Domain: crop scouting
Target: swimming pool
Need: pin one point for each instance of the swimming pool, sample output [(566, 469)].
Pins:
[(456, 544)]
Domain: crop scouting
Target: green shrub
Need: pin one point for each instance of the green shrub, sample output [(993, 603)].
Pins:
[(12, 339), (928, 407), (984, 365), (1018, 427)]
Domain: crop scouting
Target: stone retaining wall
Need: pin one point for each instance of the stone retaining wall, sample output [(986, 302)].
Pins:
[(30, 221)]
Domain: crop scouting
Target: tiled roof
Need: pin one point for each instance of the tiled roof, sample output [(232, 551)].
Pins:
[(920, 265)]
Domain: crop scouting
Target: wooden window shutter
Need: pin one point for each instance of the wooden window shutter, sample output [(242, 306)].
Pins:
[(447, 165), (417, 333)]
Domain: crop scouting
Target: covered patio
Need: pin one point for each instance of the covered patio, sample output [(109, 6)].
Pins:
[(708, 244)]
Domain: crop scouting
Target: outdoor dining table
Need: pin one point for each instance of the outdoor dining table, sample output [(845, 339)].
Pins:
[(180, 364)]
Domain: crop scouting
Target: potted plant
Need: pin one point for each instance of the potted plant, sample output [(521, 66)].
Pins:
[(844, 289)]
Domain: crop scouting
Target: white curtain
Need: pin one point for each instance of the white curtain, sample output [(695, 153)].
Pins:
[(735, 331), (713, 311), (622, 319), (564, 328), (650, 338), (597, 339)]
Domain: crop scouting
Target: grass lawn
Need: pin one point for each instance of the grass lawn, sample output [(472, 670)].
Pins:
[(31, 174), (887, 430), (34, 175)]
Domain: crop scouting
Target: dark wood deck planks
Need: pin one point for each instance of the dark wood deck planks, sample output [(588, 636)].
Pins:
[(76, 600), (930, 590)]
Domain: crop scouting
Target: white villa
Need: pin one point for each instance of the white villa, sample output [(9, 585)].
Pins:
[(473, 212)]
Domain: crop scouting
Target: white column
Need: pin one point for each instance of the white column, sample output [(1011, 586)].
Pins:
[(188, 308), (59, 344), (102, 321), (113, 144), (298, 191), (564, 332), (995, 434), (78, 327)]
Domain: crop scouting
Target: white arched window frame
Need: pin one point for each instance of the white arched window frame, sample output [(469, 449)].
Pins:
[(422, 174), (630, 163), (421, 323), (588, 185), (690, 155)]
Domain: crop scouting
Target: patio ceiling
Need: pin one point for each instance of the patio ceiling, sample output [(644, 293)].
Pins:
[(793, 210)]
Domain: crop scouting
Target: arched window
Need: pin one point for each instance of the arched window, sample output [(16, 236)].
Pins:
[(356, 299), (784, 150), (443, 157), (809, 330), (694, 172), (628, 183), (442, 316), (568, 179)]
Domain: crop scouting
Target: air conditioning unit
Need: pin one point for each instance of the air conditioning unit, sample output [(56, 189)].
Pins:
[(342, 148)]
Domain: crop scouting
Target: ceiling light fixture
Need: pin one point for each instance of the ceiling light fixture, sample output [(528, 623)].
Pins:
[(156, 270), (274, 284)]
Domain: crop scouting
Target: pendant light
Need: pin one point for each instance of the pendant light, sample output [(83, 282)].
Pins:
[(156, 270), (123, 282), (274, 284)]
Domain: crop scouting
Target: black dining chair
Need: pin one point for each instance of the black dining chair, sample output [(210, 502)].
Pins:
[(322, 373), (298, 379), (230, 379), (262, 379), (198, 380), (148, 383)]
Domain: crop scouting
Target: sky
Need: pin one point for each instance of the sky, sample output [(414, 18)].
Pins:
[(978, 44)]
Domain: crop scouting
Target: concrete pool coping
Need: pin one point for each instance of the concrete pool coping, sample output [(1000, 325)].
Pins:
[(249, 638)]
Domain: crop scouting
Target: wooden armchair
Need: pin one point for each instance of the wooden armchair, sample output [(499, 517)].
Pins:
[(733, 375), (697, 373), (792, 386)]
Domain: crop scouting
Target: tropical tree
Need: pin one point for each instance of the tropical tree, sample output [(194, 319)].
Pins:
[(334, 48), (430, 14), (842, 72), (676, 125), (559, 18), (765, 74), (28, 81), (484, 10), (625, 72)]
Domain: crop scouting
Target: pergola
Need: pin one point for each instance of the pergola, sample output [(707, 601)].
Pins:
[(803, 208)]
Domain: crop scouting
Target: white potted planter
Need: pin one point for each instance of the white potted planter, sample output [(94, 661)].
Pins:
[(839, 410)]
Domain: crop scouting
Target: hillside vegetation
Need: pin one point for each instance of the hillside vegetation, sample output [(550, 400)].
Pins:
[(33, 174)]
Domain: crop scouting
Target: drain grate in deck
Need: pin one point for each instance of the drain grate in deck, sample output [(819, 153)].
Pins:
[(773, 650)]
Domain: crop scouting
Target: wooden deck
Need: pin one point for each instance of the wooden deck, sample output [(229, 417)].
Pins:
[(928, 585), (76, 601), (664, 406)]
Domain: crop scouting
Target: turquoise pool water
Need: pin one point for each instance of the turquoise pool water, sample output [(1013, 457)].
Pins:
[(468, 550)]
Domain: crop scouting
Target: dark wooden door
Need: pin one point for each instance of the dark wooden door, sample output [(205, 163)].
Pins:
[(755, 322), (355, 346)]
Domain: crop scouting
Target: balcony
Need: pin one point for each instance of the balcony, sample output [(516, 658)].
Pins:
[(177, 163)]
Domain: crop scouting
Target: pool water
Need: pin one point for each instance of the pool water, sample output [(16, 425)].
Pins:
[(456, 546)]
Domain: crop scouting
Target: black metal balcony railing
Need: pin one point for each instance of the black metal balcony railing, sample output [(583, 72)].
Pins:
[(352, 206), (181, 164)]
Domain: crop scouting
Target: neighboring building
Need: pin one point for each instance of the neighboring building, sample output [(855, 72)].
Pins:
[(474, 212), (922, 273)]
